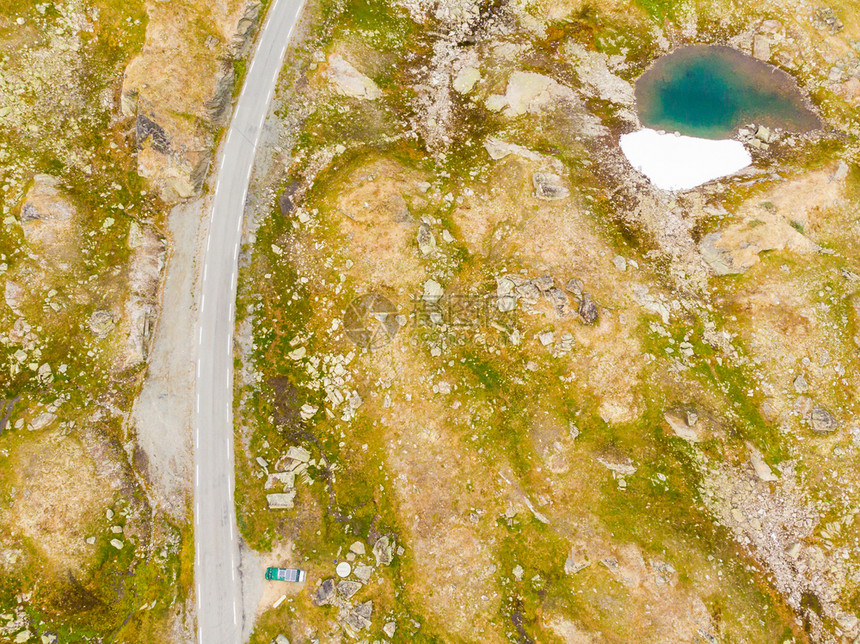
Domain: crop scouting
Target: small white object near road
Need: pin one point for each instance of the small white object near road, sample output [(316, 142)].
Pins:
[(343, 569)]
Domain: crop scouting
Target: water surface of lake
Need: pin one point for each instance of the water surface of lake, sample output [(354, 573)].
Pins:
[(709, 91)]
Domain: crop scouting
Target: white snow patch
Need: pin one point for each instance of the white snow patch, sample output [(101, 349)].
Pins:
[(682, 162)]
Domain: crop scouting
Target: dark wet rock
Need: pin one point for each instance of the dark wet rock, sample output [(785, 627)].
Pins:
[(147, 129), (217, 107), (588, 310), (324, 594), (287, 201), (559, 300)]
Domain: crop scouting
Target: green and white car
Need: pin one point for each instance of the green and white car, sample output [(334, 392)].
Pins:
[(285, 574)]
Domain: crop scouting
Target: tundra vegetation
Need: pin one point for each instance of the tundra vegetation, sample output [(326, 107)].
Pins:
[(522, 393), (91, 549)]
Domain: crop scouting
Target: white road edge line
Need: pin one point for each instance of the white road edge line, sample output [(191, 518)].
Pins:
[(263, 51)]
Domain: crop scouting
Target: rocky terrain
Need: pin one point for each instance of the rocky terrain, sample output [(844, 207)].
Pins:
[(494, 386), (497, 387), (109, 113)]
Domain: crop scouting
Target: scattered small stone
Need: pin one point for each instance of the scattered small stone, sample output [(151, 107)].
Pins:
[(761, 468), (800, 385), (518, 572), (116, 543), (357, 548), (620, 263), (426, 240), (433, 291), (389, 629)]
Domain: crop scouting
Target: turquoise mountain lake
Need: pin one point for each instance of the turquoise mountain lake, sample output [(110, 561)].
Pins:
[(709, 91)]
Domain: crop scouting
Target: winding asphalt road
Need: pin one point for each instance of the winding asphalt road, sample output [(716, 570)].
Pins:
[(216, 536)]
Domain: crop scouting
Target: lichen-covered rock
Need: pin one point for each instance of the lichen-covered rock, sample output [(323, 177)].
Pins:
[(736, 248), (348, 81), (549, 186), (48, 218), (822, 421), (177, 75)]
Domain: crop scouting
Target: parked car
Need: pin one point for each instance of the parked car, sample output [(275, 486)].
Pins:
[(285, 574)]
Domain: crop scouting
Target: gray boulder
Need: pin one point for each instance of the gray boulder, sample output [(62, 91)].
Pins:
[(549, 186), (383, 550), (348, 588), (426, 240), (324, 594), (574, 287), (281, 501), (822, 421), (359, 617)]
